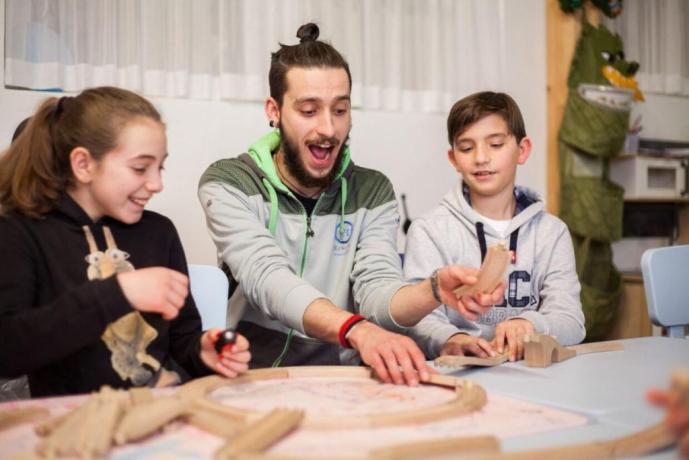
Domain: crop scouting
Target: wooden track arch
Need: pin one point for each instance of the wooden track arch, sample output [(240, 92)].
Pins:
[(469, 397)]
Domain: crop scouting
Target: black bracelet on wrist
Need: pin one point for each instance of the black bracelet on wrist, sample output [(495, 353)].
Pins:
[(434, 285)]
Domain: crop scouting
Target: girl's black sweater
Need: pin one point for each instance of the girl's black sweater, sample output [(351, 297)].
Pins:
[(52, 316)]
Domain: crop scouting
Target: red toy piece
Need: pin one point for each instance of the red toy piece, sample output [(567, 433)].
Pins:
[(225, 341)]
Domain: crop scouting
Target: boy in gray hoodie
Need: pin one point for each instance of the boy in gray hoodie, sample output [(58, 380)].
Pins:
[(488, 141)]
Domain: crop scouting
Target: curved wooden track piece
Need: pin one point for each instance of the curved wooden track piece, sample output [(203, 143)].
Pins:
[(493, 270), (644, 442), (110, 417), (487, 448), (437, 447), (469, 397), (462, 361)]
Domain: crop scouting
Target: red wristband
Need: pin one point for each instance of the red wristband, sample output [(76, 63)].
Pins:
[(345, 328)]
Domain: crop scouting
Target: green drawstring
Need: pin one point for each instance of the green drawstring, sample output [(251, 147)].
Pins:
[(272, 224), (343, 204), (279, 359), (271, 227), (262, 154)]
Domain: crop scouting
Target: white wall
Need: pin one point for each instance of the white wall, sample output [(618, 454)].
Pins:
[(663, 117), (409, 147)]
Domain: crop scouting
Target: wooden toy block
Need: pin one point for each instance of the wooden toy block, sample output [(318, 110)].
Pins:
[(143, 419), (16, 417), (215, 423), (261, 434), (87, 431), (492, 271), (541, 350)]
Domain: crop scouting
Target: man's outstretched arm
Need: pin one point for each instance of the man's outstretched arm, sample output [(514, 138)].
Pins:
[(394, 357), (412, 303)]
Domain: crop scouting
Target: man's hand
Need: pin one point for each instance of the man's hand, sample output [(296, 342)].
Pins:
[(452, 277), (511, 332), (230, 362), (463, 344), (394, 357)]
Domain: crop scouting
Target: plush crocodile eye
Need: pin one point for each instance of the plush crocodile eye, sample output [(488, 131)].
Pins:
[(620, 55), (608, 56)]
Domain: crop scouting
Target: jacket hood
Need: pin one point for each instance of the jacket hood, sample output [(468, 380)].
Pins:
[(457, 201), (71, 211)]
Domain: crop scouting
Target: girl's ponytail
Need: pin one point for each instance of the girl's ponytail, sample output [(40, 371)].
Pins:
[(31, 174)]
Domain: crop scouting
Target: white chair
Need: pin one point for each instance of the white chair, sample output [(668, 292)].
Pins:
[(209, 287), (666, 281)]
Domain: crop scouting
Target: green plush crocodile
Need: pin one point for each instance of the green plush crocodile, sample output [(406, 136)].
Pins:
[(600, 60), (601, 89)]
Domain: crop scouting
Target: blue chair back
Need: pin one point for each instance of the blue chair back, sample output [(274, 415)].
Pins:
[(666, 281), (209, 287)]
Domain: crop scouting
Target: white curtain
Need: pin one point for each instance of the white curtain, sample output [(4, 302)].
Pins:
[(656, 35), (406, 55)]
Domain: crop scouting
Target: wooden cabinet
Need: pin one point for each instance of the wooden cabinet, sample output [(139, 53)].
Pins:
[(683, 223), (632, 314)]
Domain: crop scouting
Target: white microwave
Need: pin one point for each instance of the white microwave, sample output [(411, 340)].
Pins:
[(644, 176)]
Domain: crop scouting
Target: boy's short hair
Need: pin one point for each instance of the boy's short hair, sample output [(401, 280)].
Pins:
[(471, 109)]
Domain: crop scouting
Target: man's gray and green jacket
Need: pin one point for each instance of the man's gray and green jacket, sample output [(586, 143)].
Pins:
[(283, 259)]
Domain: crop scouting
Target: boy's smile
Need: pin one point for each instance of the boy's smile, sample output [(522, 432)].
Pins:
[(483, 175)]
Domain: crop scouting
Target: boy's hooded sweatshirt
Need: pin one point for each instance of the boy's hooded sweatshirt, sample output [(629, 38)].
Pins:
[(284, 259), (542, 282)]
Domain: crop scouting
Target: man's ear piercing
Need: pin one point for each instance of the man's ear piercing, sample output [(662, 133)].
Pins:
[(271, 123)]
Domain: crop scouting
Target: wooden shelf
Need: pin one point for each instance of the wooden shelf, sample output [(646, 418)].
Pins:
[(625, 155), (632, 314), (632, 278), (658, 200)]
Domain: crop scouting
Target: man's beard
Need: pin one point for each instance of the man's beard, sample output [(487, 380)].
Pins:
[(297, 169)]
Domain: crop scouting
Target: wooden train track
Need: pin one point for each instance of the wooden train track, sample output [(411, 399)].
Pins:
[(114, 417), (540, 350)]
